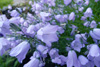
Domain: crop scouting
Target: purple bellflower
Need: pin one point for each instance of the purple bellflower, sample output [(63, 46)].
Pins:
[(95, 34), (72, 59), (47, 34), (20, 51), (94, 51)]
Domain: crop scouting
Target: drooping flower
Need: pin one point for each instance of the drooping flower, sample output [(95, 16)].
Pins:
[(94, 51), (20, 51), (93, 24), (95, 34), (34, 62), (83, 60), (88, 12), (72, 59), (76, 45), (43, 50), (4, 25), (47, 34), (79, 42), (97, 61)]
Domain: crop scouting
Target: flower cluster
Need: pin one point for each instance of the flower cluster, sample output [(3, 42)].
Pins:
[(50, 31)]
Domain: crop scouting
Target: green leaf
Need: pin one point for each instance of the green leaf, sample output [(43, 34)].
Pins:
[(15, 27)]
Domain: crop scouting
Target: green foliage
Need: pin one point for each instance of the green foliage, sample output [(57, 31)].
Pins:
[(6, 61), (5, 3)]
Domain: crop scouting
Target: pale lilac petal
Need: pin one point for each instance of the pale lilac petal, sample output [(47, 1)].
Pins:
[(83, 60), (67, 2), (32, 63), (94, 51)]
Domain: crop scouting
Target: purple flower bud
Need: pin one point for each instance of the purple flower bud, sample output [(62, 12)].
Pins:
[(72, 16)]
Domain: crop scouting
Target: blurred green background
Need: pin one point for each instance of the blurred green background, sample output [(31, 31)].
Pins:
[(5, 3)]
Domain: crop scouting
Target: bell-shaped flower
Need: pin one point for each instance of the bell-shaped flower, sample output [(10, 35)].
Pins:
[(93, 24), (47, 34), (61, 18), (83, 60), (88, 12), (43, 50), (67, 2), (95, 34), (31, 30), (20, 51), (45, 16), (72, 59), (4, 25), (94, 51), (14, 13), (53, 53), (72, 16), (34, 62), (76, 45)]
